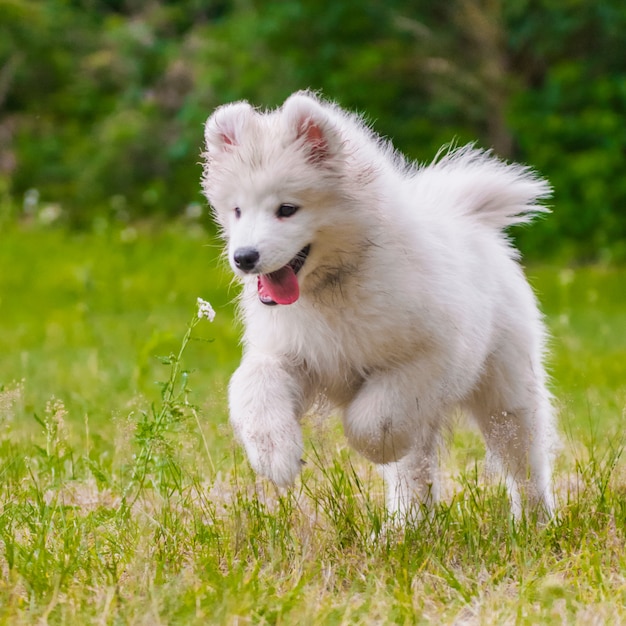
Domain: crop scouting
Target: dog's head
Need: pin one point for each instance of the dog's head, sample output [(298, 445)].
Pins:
[(269, 178)]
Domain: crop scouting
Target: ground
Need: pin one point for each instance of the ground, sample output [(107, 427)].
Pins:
[(125, 500)]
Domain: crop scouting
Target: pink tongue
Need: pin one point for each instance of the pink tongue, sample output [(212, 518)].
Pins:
[(280, 286)]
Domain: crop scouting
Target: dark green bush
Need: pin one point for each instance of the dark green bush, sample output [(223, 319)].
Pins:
[(102, 102)]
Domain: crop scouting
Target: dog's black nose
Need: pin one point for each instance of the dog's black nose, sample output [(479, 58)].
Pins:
[(246, 258)]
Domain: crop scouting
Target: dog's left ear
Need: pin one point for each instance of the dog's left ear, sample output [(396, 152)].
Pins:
[(311, 124)]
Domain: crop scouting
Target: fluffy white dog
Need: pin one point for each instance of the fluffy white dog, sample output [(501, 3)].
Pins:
[(388, 289)]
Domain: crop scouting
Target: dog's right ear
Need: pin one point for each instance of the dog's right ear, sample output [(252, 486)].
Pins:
[(224, 128)]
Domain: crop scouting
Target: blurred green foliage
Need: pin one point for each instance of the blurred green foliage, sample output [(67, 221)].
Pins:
[(84, 299), (102, 101)]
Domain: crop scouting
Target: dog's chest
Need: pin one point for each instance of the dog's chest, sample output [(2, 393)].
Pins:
[(339, 344)]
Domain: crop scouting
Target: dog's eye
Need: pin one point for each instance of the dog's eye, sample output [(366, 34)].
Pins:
[(286, 210), (237, 212)]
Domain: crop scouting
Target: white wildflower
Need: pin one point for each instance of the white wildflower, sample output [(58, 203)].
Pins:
[(205, 310)]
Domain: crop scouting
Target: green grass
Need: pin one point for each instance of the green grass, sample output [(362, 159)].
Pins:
[(123, 499)]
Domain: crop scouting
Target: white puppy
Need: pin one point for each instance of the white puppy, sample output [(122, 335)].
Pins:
[(388, 289)]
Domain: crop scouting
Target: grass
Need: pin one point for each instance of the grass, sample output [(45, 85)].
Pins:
[(123, 499)]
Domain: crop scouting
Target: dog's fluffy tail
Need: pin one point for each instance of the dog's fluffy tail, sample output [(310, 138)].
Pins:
[(483, 187)]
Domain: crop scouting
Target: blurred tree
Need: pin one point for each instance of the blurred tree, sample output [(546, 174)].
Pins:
[(102, 101), (568, 117)]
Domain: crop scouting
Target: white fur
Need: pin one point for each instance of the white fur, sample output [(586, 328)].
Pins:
[(412, 302)]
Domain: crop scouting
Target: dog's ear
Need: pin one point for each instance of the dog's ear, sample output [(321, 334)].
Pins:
[(224, 128), (310, 123)]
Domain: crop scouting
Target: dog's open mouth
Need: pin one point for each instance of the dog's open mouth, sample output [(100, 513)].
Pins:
[(281, 286)]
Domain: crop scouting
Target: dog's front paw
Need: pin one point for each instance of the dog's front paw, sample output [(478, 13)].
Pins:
[(277, 456)]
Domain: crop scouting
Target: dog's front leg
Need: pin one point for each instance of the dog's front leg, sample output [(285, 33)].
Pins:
[(383, 419), (394, 421), (266, 403)]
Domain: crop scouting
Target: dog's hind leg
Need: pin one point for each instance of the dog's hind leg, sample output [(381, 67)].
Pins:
[(516, 442), (514, 412)]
